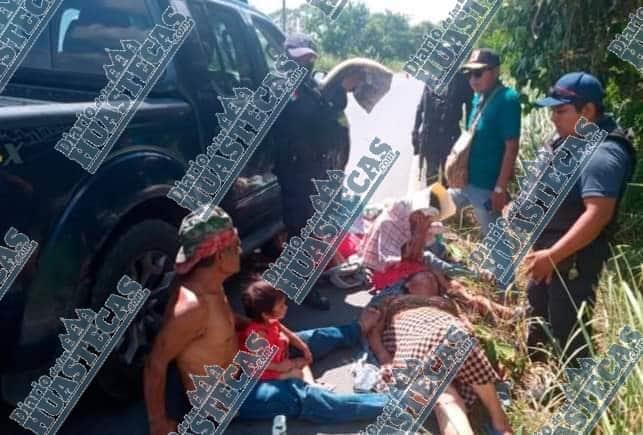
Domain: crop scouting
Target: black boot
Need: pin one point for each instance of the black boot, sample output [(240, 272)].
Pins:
[(317, 301)]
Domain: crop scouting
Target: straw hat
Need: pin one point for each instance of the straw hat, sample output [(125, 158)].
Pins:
[(436, 200)]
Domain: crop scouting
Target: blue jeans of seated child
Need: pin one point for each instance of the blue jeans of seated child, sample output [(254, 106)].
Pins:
[(296, 399)]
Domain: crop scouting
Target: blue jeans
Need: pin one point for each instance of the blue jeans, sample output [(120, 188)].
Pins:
[(480, 199), (296, 399)]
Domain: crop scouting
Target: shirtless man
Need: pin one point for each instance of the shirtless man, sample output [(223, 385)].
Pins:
[(199, 326), (199, 330)]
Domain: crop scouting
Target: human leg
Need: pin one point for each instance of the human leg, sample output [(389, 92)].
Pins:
[(489, 398), (320, 405), (481, 201), (565, 299), (451, 413), (459, 197), (537, 294), (322, 341), (270, 398)]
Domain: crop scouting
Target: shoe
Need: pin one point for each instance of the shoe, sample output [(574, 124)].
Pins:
[(317, 301)]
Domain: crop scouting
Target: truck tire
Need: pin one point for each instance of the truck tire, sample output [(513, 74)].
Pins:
[(146, 254)]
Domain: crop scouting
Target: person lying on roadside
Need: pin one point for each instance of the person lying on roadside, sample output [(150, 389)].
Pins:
[(395, 245), (412, 327), (430, 283)]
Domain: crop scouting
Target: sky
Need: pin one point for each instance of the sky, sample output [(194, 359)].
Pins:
[(416, 10)]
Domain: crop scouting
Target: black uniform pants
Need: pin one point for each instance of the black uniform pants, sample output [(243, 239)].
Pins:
[(558, 302)]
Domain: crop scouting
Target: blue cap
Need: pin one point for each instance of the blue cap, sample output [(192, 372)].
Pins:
[(573, 87)]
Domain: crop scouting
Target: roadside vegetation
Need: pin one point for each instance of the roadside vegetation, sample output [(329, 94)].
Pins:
[(539, 41)]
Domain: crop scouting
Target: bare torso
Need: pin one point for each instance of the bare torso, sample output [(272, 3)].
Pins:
[(217, 342)]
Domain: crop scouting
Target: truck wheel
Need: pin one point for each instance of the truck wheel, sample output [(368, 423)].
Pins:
[(146, 254)]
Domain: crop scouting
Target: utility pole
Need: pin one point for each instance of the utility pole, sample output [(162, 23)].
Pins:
[(283, 16)]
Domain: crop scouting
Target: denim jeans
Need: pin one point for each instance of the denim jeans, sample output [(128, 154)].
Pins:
[(480, 199), (296, 399)]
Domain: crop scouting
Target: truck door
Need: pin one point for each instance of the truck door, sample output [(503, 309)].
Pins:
[(232, 55)]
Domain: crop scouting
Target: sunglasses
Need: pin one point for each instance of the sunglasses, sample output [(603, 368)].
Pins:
[(477, 73)]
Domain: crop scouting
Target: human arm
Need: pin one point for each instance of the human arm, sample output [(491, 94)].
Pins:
[(415, 247), (297, 343), (598, 213), (374, 335), (383, 356), (419, 121), (499, 199), (509, 129), (186, 323)]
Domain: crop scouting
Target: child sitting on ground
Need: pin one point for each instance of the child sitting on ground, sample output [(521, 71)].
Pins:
[(266, 307)]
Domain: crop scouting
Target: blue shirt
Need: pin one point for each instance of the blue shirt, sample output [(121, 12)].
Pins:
[(605, 176), (500, 122)]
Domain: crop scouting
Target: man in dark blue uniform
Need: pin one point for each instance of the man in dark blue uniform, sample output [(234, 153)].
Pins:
[(576, 240), (310, 131), (437, 124)]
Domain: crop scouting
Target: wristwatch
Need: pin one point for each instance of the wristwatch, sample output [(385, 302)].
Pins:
[(498, 189)]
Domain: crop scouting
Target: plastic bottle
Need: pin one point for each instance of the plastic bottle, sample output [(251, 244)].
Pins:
[(279, 425)]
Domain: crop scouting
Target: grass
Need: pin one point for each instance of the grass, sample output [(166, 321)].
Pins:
[(619, 302)]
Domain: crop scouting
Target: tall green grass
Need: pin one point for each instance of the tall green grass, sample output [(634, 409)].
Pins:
[(619, 302)]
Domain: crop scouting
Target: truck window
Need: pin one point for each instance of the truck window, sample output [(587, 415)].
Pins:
[(270, 39), (228, 57), (39, 56), (82, 30)]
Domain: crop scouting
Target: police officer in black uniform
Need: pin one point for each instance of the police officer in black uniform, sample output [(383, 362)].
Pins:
[(310, 130), (576, 239), (437, 124)]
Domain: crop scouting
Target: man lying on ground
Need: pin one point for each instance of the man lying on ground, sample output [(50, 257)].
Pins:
[(199, 330)]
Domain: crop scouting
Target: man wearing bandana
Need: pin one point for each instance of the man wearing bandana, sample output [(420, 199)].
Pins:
[(199, 329), (199, 325)]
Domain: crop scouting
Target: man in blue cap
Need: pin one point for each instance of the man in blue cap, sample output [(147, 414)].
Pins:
[(576, 240)]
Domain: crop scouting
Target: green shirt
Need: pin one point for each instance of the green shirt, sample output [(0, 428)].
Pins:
[(500, 122)]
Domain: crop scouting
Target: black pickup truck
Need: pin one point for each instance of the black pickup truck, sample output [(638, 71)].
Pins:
[(92, 229)]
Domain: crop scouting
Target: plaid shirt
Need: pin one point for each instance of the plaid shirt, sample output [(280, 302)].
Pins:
[(416, 333), (382, 246)]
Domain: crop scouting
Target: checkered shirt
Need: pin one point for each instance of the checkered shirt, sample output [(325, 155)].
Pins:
[(416, 333), (391, 230)]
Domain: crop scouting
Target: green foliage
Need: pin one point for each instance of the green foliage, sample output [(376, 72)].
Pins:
[(342, 38), (540, 41), (386, 37)]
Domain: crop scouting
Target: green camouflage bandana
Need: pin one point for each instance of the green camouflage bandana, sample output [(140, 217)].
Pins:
[(201, 238)]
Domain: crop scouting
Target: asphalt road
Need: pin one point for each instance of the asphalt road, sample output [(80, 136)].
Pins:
[(96, 414), (391, 121)]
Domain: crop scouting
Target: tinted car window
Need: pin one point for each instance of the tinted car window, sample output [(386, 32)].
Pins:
[(228, 57), (82, 30), (270, 39), (39, 56)]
